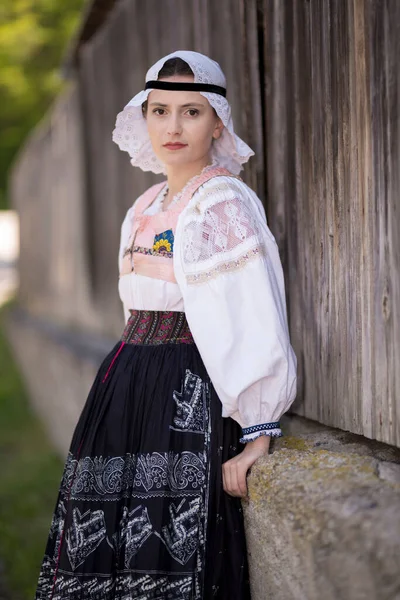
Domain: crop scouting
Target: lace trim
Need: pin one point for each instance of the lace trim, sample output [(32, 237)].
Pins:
[(220, 223), (155, 206), (252, 436), (179, 195), (158, 201), (226, 267), (261, 427), (251, 433)]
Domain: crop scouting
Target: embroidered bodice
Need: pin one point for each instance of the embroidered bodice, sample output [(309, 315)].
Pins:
[(150, 247), (146, 263), (212, 255)]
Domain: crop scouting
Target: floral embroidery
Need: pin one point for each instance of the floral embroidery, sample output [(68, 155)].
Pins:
[(151, 252), (134, 474), (162, 245), (164, 242)]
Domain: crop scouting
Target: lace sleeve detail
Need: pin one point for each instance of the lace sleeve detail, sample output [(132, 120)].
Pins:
[(221, 233), (228, 268)]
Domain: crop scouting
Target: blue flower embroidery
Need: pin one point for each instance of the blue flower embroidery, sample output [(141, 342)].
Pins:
[(164, 242)]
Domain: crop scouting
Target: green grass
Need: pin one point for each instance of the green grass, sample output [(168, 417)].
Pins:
[(30, 473)]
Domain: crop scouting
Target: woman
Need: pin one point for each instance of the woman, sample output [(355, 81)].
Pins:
[(149, 505)]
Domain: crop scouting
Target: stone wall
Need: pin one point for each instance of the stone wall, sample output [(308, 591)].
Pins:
[(323, 519)]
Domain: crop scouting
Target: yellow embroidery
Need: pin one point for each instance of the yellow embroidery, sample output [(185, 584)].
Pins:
[(164, 244)]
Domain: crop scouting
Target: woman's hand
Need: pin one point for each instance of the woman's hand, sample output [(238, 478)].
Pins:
[(234, 471)]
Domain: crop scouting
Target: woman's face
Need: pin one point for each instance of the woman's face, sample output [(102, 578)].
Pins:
[(181, 117)]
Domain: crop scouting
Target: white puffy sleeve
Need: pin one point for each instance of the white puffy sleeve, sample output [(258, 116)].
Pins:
[(126, 229), (227, 265)]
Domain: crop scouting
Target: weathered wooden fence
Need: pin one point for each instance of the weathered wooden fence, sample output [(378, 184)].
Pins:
[(315, 90), (333, 164)]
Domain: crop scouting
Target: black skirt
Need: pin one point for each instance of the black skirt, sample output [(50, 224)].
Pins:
[(141, 512)]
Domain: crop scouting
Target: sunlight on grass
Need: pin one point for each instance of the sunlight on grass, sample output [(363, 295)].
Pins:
[(30, 477)]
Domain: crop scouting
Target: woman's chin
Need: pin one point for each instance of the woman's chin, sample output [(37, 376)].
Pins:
[(173, 160)]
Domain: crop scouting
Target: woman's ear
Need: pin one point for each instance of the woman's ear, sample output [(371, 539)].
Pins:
[(218, 129)]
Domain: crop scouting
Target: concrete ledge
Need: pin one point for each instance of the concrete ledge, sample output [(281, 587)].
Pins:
[(323, 520)]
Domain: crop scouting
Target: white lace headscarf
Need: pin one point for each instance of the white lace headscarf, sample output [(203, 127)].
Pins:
[(131, 133)]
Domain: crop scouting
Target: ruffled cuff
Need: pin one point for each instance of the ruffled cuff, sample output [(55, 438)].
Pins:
[(251, 433)]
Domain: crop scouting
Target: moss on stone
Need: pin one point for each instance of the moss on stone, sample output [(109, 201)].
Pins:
[(295, 443)]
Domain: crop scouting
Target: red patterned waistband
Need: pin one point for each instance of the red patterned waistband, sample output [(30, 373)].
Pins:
[(155, 327)]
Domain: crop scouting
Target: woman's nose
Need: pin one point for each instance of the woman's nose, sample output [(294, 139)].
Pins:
[(174, 124)]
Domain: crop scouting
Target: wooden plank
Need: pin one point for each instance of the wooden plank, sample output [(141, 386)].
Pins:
[(384, 50)]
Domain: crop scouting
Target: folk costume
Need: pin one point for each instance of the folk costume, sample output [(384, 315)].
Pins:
[(203, 366)]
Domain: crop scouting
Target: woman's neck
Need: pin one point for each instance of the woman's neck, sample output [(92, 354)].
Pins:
[(178, 176)]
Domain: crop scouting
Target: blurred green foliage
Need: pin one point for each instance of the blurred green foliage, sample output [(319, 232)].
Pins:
[(34, 35), (30, 477)]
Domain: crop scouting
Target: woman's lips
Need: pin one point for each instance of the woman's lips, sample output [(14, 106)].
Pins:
[(174, 146)]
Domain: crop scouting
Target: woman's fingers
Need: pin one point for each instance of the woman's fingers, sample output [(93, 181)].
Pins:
[(226, 478), (235, 470), (240, 478), (224, 482), (234, 477), (242, 481), (234, 481)]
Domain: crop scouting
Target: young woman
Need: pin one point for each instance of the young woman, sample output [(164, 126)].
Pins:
[(149, 506)]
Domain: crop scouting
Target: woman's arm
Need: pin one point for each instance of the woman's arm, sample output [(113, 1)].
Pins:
[(228, 268)]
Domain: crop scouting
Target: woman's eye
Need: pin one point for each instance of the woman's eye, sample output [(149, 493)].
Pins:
[(193, 111)]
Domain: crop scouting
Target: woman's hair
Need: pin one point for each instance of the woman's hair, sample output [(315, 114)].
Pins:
[(173, 66)]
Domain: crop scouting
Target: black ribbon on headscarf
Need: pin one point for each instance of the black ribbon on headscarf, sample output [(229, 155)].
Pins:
[(188, 87)]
